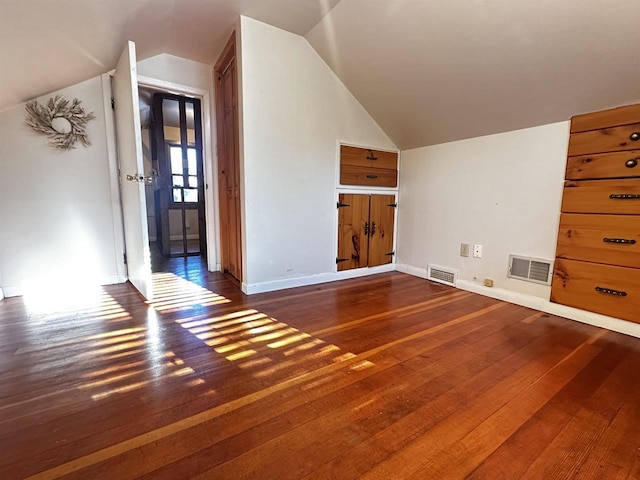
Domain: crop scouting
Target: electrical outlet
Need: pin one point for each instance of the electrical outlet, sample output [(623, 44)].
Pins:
[(477, 251), (464, 249)]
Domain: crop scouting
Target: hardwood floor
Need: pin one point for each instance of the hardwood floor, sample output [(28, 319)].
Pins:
[(383, 377)]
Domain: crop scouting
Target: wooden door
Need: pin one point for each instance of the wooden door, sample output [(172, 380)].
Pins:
[(228, 161), (129, 146), (381, 225), (353, 227)]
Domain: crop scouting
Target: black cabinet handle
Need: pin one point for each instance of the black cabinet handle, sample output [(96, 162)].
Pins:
[(624, 196), (632, 162), (634, 137), (373, 228), (371, 156), (619, 240), (609, 291), (372, 176), (366, 229)]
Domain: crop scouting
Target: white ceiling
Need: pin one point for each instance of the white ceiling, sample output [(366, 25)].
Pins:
[(432, 71), (428, 71), (49, 44)]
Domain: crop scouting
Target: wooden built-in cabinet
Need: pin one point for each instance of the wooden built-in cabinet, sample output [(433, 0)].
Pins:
[(367, 167), (365, 230), (597, 264)]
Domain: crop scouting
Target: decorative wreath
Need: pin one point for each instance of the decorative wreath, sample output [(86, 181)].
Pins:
[(64, 124)]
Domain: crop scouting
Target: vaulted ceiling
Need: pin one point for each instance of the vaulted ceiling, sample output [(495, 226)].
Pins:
[(428, 71), (49, 44), (435, 71)]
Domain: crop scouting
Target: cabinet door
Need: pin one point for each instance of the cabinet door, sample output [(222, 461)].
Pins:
[(353, 243), (381, 218)]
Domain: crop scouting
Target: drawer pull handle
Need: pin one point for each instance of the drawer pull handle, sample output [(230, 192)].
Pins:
[(624, 196), (632, 162), (609, 291), (634, 137), (372, 176), (619, 240), (371, 156)]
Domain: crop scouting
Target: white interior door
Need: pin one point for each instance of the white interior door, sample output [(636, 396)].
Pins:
[(129, 142)]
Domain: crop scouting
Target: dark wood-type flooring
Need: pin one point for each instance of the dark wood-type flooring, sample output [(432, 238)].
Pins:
[(382, 377)]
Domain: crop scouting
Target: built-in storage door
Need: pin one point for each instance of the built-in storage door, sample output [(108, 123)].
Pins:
[(353, 231), (381, 216), (228, 161)]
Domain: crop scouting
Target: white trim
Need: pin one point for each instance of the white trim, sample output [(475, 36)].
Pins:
[(18, 291), (1, 294), (114, 179), (537, 303), (314, 279)]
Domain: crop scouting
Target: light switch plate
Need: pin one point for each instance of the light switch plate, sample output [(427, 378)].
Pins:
[(477, 251), (464, 249)]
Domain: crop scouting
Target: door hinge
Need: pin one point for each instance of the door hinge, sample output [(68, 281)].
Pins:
[(113, 103), (340, 205), (339, 260), (394, 205), (124, 257), (390, 253)]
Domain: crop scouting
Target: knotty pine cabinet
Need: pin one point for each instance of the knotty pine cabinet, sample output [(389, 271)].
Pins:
[(367, 167), (365, 230), (597, 265)]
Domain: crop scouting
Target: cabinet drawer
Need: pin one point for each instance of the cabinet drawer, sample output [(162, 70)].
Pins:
[(605, 140), (602, 196), (610, 239), (363, 157), (373, 177), (606, 118), (613, 291), (604, 165)]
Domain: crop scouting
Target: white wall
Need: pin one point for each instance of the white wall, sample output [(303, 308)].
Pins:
[(55, 206), (502, 191), (294, 111)]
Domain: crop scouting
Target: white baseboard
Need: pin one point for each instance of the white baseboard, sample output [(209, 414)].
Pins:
[(1, 294), (537, 303), (543, 305), (271, 286), (18, 291), (411, 270)]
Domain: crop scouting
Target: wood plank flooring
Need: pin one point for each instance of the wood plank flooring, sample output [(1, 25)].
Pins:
[(382, 377)]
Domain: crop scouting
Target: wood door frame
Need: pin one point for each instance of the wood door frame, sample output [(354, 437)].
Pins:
[(209, 164), (228, 57)]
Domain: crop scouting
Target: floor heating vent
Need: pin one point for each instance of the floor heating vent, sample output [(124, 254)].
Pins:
[(530, 269), (442, 275)]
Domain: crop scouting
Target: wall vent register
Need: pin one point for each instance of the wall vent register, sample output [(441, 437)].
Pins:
[(530, 269), (442, 275)]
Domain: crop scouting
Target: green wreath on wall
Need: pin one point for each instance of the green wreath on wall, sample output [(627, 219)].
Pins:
[(63, 123)]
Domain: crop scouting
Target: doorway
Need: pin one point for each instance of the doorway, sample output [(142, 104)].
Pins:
[(175, 195)]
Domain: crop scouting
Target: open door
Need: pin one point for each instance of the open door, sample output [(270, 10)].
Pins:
[(129, 144)]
